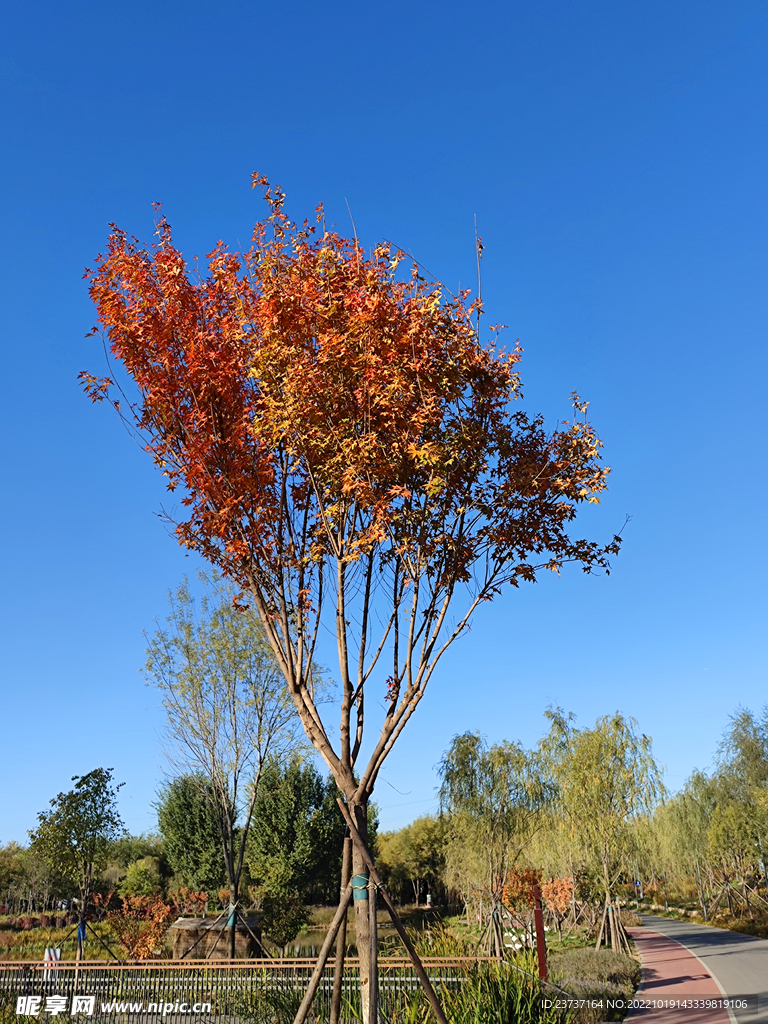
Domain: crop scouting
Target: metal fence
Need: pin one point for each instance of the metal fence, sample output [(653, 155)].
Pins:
[(235, 990)]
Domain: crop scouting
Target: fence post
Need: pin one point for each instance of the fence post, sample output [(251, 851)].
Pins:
[(541, 949)]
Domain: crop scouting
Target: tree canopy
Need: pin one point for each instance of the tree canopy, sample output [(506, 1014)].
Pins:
[(343, 437), (191, 836), (227, 710), (75, 836), (606, 778), (294, 848), (297, 831), (413, 858), (493, 797)]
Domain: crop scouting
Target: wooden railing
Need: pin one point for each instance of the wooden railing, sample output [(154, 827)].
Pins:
[(228, 986)]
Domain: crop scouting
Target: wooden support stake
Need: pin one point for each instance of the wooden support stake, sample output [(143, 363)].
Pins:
[(314, 981), (255, 938), (341, 938), (612, 926), (701, 890), (204, 934), (94, 932), (602, 926), (417, 964)]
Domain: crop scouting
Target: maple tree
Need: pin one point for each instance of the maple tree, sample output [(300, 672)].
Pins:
[(558, 894), (349, 455), (140, 923), (188, 901)]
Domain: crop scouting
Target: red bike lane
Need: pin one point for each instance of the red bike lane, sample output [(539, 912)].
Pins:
[(672, 972)]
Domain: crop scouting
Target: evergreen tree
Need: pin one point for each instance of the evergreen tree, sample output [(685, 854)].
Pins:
[(191, 837)]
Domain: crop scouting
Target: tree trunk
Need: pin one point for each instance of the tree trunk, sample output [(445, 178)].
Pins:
[(373, 942), (85, 896), (362, 919)]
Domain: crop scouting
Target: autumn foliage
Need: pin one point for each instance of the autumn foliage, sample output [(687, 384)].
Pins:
[(303, 376), (557, 893), (517, 892), (320, 410), (188, 901), (139, 923)]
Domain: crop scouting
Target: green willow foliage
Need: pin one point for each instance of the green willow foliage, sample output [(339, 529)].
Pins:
[(492, 798), (606, 779), (712, 834)]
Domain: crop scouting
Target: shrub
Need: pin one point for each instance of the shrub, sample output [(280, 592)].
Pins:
[(266, 1006), (140, 925), (587, 974), (630, 919), (141, 879)]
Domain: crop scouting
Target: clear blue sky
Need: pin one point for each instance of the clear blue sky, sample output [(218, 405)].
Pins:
[(616, 157)]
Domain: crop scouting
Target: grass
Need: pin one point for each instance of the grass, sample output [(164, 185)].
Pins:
[(31, 945)]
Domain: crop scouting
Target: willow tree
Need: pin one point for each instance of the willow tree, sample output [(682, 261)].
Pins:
[(682, 827), (350, 456), (739, 825), (493, 797), (607, 780)]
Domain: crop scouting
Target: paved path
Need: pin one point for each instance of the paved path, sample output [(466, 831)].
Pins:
[(672, 972), (736, 964)]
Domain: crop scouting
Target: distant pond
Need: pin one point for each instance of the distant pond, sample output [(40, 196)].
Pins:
[(308, 943)]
